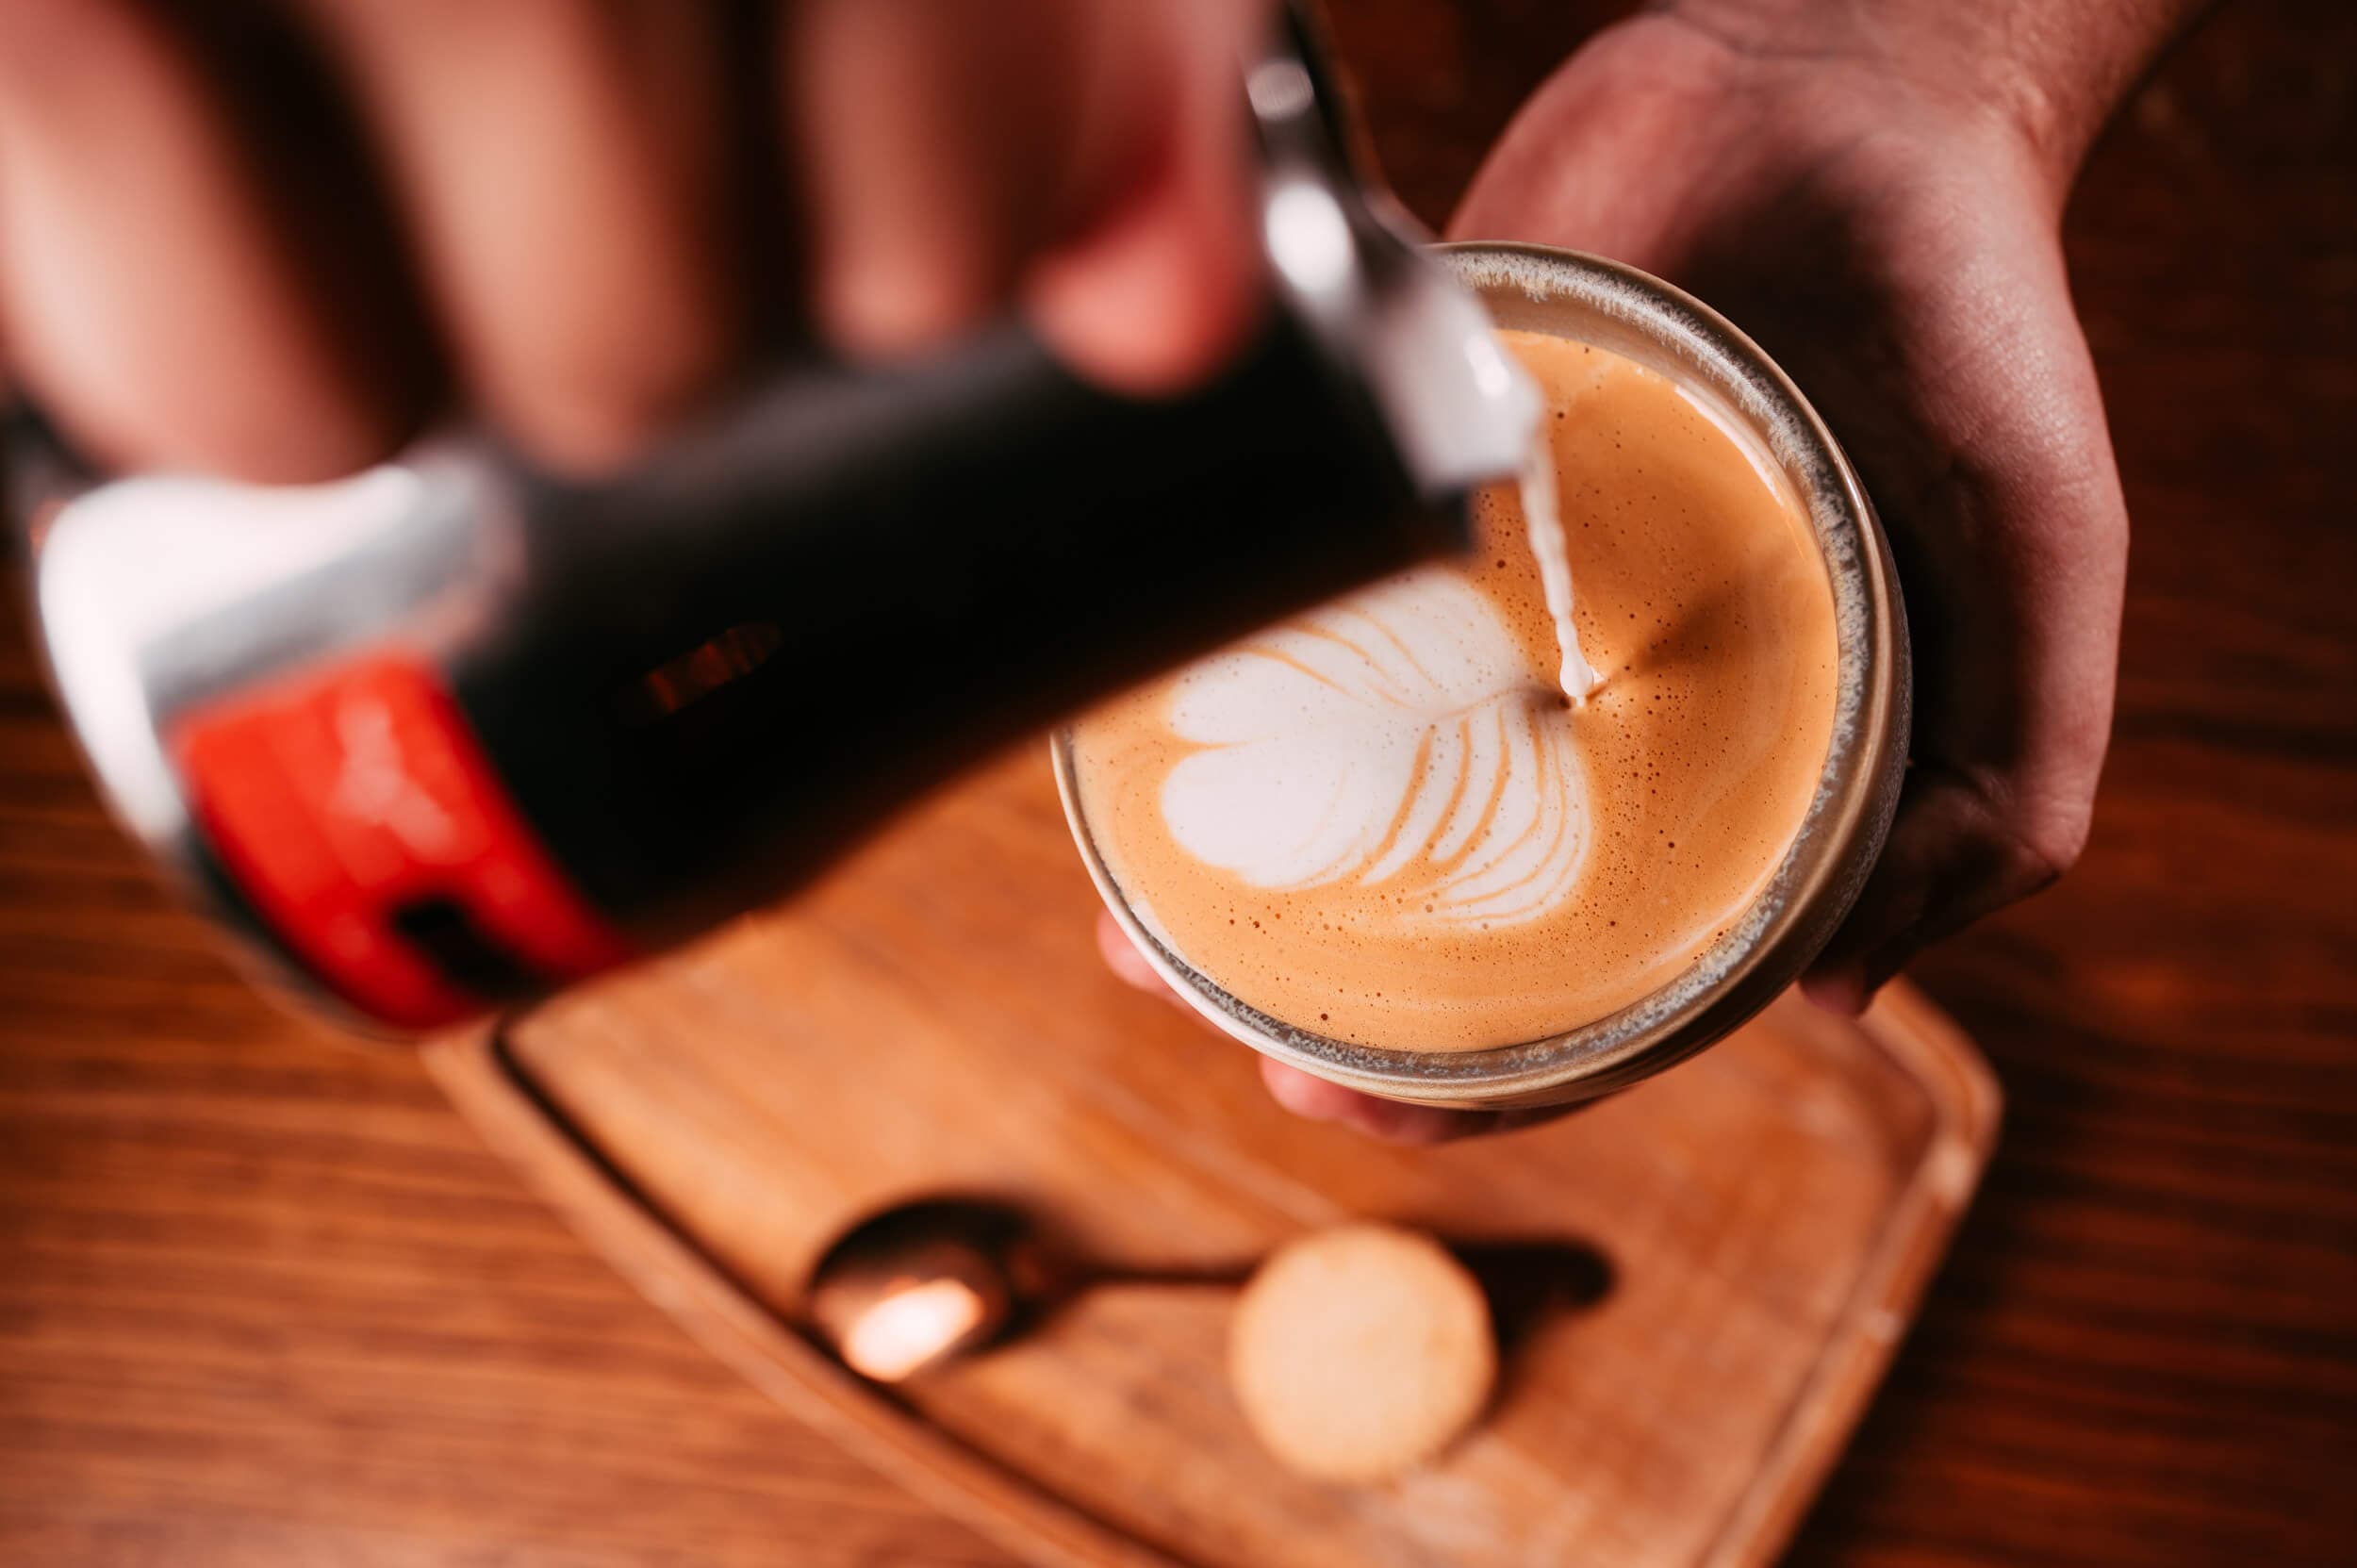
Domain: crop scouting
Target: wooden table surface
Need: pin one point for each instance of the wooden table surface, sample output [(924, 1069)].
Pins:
[(266, 1301)]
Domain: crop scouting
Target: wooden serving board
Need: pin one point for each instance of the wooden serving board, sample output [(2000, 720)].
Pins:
[(1698, 1283)]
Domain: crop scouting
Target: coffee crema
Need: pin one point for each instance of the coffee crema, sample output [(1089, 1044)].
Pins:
[(1382, 823)]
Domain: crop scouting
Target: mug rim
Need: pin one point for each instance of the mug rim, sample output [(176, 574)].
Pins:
[(1796, 910)]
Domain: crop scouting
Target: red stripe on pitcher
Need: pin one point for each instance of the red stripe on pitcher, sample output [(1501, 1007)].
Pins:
[(346, 804)]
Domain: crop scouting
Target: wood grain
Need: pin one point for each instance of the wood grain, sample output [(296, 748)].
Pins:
[(266, 1302), (1699, 1282)]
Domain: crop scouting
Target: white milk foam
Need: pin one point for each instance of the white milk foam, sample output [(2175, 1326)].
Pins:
[(1397, 733), (1544, 512)]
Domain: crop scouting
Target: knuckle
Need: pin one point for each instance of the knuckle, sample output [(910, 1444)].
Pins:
[(903, 304), (2024, 840), (2047, 845), (585, 432), (591, 403)]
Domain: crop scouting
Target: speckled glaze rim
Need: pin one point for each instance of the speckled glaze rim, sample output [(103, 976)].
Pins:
[(1589, 299)]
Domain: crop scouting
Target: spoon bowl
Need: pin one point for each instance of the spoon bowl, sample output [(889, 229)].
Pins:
[(926, 1281), (921, 1282)]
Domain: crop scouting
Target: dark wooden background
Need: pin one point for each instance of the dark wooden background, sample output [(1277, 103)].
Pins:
[(266, 1301)]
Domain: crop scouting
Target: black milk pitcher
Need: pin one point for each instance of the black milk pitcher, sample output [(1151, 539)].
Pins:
[(454, 732)]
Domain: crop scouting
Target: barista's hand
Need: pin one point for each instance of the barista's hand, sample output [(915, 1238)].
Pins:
[(1873, 192), (1889, 232), (270, 239)]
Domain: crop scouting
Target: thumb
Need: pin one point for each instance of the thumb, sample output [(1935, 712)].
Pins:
[(1603, 157)]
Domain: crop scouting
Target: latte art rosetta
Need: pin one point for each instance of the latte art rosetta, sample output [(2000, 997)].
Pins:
[(1395, 739), (1385, 822)]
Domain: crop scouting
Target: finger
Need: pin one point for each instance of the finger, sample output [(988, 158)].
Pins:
[(934, 137), (1307, 1097), (1160, 277), (1944, 865), (561, 166), (2016, 558), (1314, 1099), (949, 151), (1955, 856), (1129, 965), (156, 302)]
